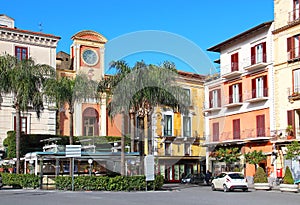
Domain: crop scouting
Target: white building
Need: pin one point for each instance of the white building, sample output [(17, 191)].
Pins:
[(42, 49)]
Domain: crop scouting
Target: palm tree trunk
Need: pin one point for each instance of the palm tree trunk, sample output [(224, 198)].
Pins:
[(123, 146), (146, 148), (132, 127), (18, 136), (71, 126)]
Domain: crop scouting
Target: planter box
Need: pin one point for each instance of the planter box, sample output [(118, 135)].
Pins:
[(289, 187), (262, 186)]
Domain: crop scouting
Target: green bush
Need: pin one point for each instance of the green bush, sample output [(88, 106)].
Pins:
[(20, 180), (288, 177), (105, 183), (260, 176)]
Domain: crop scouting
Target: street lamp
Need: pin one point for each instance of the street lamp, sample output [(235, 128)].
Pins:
[(90, 161)]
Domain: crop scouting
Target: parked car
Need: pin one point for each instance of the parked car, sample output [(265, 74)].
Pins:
[(229, 181), (193, 179)]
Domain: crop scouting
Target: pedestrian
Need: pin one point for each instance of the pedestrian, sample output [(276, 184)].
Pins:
[(208, 177)]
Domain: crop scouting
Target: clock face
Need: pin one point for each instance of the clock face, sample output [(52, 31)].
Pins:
[(90, 57)]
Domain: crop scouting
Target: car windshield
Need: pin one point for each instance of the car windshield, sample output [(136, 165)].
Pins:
[(236, 176)]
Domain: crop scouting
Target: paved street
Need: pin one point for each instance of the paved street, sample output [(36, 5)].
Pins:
[(176, 195)]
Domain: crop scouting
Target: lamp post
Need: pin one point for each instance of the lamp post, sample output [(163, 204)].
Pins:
[(90, 161)]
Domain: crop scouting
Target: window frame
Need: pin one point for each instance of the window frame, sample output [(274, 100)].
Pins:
[(22, 57)]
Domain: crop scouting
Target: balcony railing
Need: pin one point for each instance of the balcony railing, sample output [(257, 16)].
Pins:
[(255, 63), (256, 95), (293, 54), (294, 15), (230, 71), (294, 94)]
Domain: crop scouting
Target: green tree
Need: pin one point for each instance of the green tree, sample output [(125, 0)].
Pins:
[(23, 81), (293, 150), (138, 90), (66, 92), (227, 155), (260, 176), (255, 157), (288, 177)]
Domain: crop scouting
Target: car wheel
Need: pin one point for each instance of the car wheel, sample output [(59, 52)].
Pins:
[(244, 190), (225, 188), (213, 187)]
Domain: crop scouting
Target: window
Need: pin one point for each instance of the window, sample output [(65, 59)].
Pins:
[(258, 54), (23, 124), (296, 81), (293, 47), (235, 93), (215, 98), (167, 149), (295, 10), (215, 132), (186, 126), (21, 53), (188, 93), (291, 119), (259, 87), (168, 125), (260, 126), (187, 149), (89, 126), (90, 122), (234, 62), (236, 129)]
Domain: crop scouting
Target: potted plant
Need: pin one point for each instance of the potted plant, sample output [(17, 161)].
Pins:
[(288, 182), (260, 177), (260, 180), (290, 132)]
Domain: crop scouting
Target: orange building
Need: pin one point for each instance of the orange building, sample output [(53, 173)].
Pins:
[(239, 105)]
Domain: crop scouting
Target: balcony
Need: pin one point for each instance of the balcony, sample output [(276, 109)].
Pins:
[(213, 107), (233, 101), (257, 95), (294, 16), (293, 55), (294, 94), (254, 63), (231, 71)]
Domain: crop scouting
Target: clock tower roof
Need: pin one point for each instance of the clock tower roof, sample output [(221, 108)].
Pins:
[(88, 35)]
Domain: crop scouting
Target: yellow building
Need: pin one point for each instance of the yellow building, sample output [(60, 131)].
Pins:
[(287, 76), (177, 137)]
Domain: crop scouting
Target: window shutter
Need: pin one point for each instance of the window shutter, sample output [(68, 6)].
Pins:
[(236, 129), (230, 94), (210, 99), (253, 55), (219, 97), (240, 92), (260, 125), (253, 88), (265, 81), (291, 118), (264, 52), (216, 132), (290, 48), (234, 62)]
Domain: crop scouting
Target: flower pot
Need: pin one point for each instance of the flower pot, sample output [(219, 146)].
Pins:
[(289, 187), (262, 186)]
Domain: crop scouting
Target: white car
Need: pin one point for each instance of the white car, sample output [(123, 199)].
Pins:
[(229, 181)]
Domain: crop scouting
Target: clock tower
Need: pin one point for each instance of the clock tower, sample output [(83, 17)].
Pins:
[(87, 54)]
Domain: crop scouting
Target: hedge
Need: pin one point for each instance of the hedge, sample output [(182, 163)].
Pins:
[(104, 183), (20, 180), (83, 183)]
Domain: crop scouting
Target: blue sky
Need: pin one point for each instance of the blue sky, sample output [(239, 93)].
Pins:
[(202, 22)]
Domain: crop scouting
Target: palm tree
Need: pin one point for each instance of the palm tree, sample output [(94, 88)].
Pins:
[(142, 88), (68, 91), (24, 81)]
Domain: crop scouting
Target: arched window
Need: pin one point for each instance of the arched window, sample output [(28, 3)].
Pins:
[(90, 122)]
